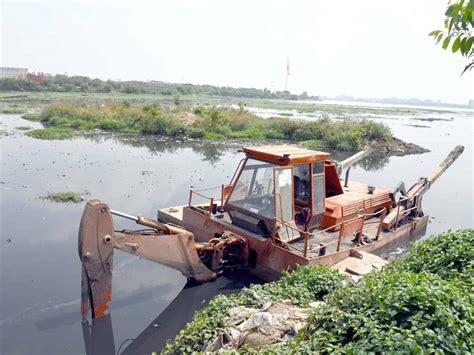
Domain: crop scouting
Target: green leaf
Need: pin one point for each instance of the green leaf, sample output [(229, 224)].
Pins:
[(434, 33), (468, 67), (462, 45), (446, 42), (449, 10), (451, 22), (440, 36), (456, 44), (469, 44)]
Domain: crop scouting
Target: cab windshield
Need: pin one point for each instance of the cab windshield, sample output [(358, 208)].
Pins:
[(254, 190)]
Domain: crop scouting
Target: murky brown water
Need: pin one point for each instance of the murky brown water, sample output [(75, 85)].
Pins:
[(40, 269)]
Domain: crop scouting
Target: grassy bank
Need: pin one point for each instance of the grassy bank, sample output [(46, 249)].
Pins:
[(420, 303), (211, 123)]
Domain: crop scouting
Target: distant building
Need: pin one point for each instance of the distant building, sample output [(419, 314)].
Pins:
[(471, 103), (13, 73)]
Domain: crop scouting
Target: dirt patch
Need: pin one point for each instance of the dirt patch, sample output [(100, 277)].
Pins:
[(397, 147)]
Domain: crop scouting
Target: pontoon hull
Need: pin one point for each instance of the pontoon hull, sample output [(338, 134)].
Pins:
[(273, 259)]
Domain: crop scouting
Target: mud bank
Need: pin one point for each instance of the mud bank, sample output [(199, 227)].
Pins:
[(396, 147)]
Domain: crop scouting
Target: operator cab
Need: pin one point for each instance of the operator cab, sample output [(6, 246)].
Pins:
[(282, 184)]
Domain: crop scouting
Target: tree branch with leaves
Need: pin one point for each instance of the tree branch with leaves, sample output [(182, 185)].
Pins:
[(458, 28)]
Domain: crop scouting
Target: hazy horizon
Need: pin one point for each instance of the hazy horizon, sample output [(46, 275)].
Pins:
[(361, 49)]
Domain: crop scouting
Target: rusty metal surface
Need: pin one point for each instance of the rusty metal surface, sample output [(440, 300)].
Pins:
[(420, 187), (97, 240), (355, 200), (191, 245), (177, 251), (286, 154), (96, 252)]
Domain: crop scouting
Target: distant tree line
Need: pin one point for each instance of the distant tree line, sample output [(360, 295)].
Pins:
[(64, 83)]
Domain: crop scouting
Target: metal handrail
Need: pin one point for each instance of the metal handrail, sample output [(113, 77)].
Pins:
[(406, 211), (306, 235), (197, 192)]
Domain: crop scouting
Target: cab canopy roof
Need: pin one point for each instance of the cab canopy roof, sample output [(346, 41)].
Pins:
[(285, 154)]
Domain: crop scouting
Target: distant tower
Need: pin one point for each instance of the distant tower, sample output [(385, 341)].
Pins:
[(287, 73)]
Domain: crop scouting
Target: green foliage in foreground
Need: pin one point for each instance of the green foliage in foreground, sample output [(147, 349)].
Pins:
[(67, 196), (51, 133), (212, 123), (458, 30), (301, 287), (449, 255), (421, 303), (392, 312)]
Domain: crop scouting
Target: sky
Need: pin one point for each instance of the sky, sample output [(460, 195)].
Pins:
[(359, 48)]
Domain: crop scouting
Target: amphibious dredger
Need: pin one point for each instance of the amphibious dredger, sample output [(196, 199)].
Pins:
[(284, 206)]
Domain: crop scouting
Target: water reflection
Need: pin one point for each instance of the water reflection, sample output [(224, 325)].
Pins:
[(374, 162), (209, 150), (213, 151), (99, 337)]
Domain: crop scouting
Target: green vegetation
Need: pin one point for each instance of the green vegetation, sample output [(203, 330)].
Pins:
[(212, 123), (12, 110), (83, 84), (52, 133), (449, 255), (24, 128), (33, 99), (67, 196), (458, 26), (420, 303), (32, 116), (301, 287)]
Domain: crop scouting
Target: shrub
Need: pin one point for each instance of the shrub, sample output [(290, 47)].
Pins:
[(196, 132), (374, 131), (211, 123), (449, 255), (393, 312)]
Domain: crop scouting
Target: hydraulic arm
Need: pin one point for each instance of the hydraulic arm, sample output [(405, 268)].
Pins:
[(168, 245)]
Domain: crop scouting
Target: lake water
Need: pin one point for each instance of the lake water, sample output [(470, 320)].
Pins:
[(40, 268)]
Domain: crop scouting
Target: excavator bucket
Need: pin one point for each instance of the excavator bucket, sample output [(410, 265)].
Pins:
[(97, 239), (96, 252)]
